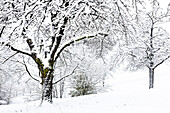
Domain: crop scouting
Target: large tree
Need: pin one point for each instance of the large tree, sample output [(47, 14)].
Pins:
[(42, 29)]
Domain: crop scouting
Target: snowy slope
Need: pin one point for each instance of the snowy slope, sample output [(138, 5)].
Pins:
[(130, 95)]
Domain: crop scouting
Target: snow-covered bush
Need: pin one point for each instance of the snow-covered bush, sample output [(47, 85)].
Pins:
[(82, 85)]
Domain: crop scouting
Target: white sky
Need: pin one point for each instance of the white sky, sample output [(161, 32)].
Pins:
[(164, 3)]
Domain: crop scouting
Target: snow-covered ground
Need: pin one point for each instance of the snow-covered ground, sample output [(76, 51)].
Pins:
[(130, 94)]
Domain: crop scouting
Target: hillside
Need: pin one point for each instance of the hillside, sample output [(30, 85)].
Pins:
[(130, 94)]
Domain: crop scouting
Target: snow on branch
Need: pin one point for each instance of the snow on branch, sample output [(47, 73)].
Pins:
[(76, 40), (19, 51)]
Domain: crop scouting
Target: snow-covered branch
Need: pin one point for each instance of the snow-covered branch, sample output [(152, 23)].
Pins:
[(19, 51), (76, 40)]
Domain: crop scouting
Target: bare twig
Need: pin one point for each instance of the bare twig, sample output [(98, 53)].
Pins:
[(162, 61), (9, 57), (66, 75)]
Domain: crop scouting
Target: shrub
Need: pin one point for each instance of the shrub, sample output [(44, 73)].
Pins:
[(82, 85)]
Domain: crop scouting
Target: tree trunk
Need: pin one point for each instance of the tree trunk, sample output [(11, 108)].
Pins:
[(48, 87), (151, 78), (62, 88)]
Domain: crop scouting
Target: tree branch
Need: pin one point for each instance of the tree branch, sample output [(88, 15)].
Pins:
[(66, 75), (33, 55), (9, 57), (2, 31), (162, 61), (73, 41), (29, 72), (19, 51), (59, 38)]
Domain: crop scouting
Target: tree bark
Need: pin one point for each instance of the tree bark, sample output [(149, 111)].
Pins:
[(62, 88), (48, 87), (151, 78)]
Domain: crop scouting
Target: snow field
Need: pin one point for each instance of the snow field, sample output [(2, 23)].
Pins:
[(130, 94)]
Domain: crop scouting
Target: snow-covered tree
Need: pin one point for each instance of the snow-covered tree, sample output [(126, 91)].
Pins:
[(42, 29), (151, 45)]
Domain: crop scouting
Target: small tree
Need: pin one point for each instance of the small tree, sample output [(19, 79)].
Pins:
[(82, 85), (151, 46)]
